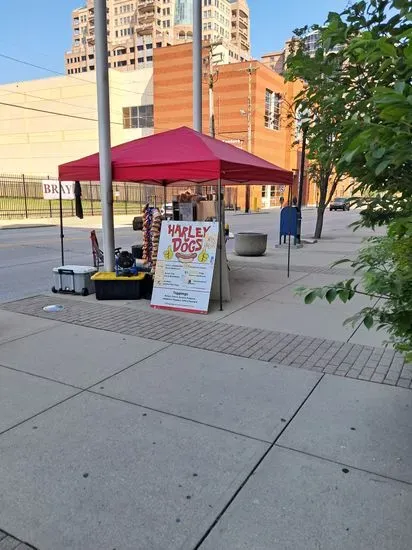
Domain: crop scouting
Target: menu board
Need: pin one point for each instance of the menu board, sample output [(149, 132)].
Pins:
[(185, 264)]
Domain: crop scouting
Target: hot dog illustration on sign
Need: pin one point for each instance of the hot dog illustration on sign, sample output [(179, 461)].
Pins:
[(187, 243)]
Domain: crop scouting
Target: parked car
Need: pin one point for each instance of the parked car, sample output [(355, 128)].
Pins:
[(339, 204)]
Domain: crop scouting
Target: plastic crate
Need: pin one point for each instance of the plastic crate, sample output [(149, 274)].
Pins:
[(110, 287)]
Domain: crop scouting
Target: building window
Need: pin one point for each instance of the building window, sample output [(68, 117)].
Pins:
[(138, 117), (149, 46), (91, 68), (272, 110), (140, 59), (149, 58)]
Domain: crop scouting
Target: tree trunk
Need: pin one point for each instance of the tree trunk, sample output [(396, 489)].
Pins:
[(319, 222), (323, 190)]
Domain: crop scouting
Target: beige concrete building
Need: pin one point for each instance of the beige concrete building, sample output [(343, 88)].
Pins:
[(277, 60), (136, 27), (44, 123)]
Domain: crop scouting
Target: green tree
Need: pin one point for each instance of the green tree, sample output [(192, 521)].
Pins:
[(373, 43), (323, 117)]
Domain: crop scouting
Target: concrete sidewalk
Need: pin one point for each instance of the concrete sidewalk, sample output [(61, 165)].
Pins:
[(111, 440), (263, 427)]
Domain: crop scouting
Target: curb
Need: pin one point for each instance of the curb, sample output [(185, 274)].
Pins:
[(251, 213), (28, 226)]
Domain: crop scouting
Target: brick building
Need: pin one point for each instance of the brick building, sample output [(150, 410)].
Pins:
[(271, 135)]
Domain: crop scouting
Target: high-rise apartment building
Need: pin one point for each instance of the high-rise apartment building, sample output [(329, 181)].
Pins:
[(136, 27), (240, 28), (184, 12)]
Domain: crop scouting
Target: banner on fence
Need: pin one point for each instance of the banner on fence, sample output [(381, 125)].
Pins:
[(51, 190)]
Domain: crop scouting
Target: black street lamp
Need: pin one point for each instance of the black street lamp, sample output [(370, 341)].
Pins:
[(301, 182)]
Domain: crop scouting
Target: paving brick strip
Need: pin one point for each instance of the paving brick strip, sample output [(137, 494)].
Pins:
[(8, 542), (340, 272), (381, 365)]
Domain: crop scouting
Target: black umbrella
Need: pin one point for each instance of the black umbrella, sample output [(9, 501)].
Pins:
[(78, 199)]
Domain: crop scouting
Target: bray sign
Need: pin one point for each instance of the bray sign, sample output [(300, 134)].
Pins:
[(51, 189)]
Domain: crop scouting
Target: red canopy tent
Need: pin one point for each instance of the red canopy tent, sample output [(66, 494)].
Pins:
[(177, 157)]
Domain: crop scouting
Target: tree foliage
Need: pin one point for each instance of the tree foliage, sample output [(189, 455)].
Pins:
[(321, 117), (384, 266), (371, 43), (376, 83)]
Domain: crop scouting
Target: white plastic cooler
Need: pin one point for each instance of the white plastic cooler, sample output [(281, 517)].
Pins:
[(73, 279)]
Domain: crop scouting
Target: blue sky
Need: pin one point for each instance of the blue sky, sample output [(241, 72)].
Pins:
[(38, 31)]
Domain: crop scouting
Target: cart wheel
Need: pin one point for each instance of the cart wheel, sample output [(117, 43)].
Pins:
[(54, 290), (85, 292)]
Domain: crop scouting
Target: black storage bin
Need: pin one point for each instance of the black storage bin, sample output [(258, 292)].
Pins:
[(110, 287)]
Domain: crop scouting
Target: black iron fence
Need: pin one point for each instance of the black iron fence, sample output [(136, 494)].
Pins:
[(21, 196)]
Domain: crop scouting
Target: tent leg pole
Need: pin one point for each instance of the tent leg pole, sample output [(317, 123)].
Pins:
[(61, 222), (221, 235), (164, 197)]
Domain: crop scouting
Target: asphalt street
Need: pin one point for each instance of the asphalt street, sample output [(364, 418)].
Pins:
[(27, 256)]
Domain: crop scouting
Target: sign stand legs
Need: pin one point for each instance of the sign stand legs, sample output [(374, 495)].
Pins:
[(61, 222)]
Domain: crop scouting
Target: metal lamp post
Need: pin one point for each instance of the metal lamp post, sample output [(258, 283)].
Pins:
[(197, 65), (103, 113)]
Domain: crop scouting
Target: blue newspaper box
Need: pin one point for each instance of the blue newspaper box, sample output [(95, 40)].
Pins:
[(288, 223)]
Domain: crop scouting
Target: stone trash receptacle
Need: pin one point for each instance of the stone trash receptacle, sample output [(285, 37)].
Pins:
[(250, 244)]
